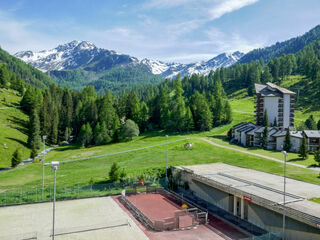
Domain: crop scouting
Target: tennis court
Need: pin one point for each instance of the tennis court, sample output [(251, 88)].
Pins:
[(92, 218)]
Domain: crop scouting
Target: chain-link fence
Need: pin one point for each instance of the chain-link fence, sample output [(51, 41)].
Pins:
[(31, 195)]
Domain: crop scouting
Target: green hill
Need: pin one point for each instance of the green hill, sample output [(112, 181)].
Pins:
[(13, 129), (292, 45), (28, 73)]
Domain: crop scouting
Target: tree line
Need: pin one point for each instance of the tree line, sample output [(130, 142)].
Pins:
[(196, 103)]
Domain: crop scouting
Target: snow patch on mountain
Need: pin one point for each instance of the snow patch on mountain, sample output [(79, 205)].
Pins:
[(171, 70), (85, 55)]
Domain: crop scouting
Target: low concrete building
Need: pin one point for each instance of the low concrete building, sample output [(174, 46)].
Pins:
[(249, 135), (313, 140), (256, 197)]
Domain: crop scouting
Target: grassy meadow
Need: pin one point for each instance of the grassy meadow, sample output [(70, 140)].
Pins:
[(13, 128), (138, 162)]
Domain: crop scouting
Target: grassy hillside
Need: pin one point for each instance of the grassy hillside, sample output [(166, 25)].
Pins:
[(12, 127), (134, 163), (28, 73)]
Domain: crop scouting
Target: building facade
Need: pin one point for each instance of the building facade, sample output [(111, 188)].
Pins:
[(255, 197), (278, 102), (250, 135)]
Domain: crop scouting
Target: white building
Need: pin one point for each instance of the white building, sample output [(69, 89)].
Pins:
[(278, 102)]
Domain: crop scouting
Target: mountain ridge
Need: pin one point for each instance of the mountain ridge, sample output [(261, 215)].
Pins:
[(86, 56)]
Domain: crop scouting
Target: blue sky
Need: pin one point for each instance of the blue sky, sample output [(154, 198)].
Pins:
[(168, 30)]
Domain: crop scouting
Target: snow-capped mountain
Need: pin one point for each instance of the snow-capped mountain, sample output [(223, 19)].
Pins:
[(171, 70), (86, 56), (76, 54)]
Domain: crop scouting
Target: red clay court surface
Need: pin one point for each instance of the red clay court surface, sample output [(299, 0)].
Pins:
[(158, 207), (154, 205)]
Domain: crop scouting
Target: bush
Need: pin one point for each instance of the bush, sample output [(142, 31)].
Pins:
[(317, 156), (129, 130), (16, 158)]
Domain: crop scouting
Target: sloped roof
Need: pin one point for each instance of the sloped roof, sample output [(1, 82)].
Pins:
[(297, 134), (283, 90), (280, 133), (312, 133), (271, 90)]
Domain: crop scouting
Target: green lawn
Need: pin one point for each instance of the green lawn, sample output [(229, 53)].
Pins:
[(96, 170), (316, 200), (12, 128)]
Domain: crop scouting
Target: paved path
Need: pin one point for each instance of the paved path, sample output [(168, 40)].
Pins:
[(254, 154)]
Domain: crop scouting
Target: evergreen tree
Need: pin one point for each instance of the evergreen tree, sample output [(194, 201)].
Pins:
[(144, 117), (33, 153), (227, 112), (132, 108), (266, 75), (178, 108), (287, 142), (311, 123), (101, 134), (16, 158), (317, 157), (114, 172), (164, 108), (217, 109), (108, 114), (264, 139), (265, 121), (34, 139), (189, 123), (275, 122), (201, 112), (66, 113), (85, 135), (303, 150), (4, 76)]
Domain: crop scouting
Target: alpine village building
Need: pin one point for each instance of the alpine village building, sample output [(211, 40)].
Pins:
[(278, 103)]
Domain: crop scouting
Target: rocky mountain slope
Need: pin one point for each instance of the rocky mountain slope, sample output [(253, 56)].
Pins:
[(86, 56)]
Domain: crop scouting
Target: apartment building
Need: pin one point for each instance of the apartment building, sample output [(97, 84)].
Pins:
[(278, 102)]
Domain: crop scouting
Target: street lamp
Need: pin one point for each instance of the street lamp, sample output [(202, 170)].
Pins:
[(44, 153), (285, 154), (54, 166), (167, 160)]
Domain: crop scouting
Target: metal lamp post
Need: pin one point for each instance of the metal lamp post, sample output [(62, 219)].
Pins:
[(167, 160), (285, 154), (44, 153), (54, 166)]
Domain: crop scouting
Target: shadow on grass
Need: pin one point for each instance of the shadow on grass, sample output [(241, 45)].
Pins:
[(18, 141), (295, 160), (69, 147), (22, 123)]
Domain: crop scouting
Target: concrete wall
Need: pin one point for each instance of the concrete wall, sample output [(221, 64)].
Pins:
[(286, 110), (296, 142), (272, 221), (207, 193), (243, 139), (271, 105)]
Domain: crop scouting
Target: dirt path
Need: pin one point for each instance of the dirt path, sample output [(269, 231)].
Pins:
[(254, 154)]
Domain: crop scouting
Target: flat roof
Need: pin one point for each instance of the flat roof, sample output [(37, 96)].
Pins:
[(262, 185)]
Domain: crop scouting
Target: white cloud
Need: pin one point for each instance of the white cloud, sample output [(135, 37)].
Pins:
[(230, 42), (226, 6), (164, 3), (18, 35)]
